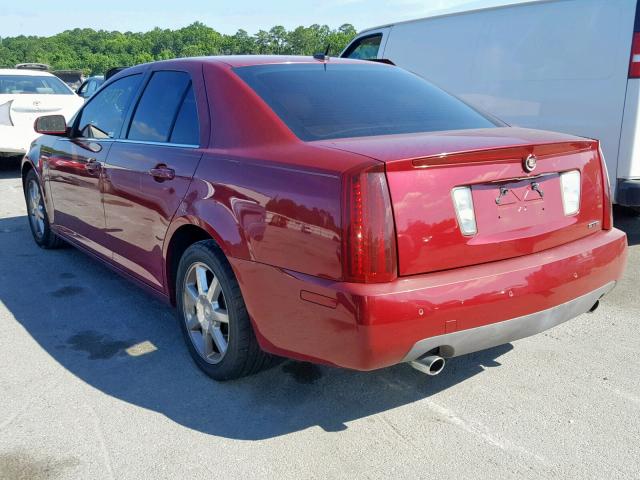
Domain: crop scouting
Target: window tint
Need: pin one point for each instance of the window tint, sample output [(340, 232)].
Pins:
[(324, 100), (365, 47), (104, 114), (92, 87), (186, 130), (157, 110), (30, 84)]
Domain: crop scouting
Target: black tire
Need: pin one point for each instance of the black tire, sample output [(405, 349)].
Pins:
[(40, 228), (243, 355)]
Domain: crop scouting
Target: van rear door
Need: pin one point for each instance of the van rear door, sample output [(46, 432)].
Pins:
[(628, 171)]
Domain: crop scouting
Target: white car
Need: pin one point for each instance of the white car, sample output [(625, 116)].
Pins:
[(565, 65), (24, 96)]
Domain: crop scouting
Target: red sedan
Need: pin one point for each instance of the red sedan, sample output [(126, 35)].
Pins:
[(335, 211)]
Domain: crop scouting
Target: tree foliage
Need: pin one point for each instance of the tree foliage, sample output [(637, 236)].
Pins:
[(94, 52)]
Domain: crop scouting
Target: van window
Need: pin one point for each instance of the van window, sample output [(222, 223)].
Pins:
[(364, 48), (157, 110), (325, 100), (103, 115)]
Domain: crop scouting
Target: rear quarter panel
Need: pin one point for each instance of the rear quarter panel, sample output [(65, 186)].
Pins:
[(270, 212)]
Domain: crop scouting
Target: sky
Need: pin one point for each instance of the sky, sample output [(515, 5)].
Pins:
[(48, 17)]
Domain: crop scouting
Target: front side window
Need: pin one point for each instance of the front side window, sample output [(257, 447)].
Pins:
[(104, 114), (32, 84), (325, 100), (364, 48), (160, 106)]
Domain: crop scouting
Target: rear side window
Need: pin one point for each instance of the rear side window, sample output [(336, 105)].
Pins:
[(365, 47), (186, 130), (103, 115), (324, 101), (160, 106)]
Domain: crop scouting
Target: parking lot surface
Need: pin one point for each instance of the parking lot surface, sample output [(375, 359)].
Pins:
[(95, 382)]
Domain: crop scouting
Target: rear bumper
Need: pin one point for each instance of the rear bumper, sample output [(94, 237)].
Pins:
[(371, 326), (628, 193), (499, 333)]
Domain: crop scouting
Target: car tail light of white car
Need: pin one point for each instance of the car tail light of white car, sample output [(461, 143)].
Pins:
[(463, 202), (5, 114), (570, 182)]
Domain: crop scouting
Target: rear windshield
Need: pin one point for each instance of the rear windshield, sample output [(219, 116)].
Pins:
[(325, 101), (32, 84)]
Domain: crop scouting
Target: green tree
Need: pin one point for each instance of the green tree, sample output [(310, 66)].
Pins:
[(94, 52)]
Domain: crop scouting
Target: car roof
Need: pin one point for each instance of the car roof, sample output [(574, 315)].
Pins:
[(233, 61), (25, 71), (250, 60)]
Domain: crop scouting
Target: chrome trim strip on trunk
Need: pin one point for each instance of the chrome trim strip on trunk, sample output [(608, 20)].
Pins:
[(487, 336)]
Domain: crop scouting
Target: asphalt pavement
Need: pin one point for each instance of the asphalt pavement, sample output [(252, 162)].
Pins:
[(96, 383)]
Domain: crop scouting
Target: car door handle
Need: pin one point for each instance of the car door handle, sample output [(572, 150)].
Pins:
[(162, 172), (93, 166)]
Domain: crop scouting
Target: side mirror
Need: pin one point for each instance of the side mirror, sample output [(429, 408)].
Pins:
[(51, 125)]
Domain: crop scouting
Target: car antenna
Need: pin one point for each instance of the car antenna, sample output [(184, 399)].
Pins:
[(323, 56)]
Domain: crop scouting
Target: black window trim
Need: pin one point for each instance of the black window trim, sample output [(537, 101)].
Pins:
[(122, 137)]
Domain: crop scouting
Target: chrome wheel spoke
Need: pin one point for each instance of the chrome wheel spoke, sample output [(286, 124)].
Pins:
[(201, 280), (213, 290), (191, 296), (220, 315), (218, 338), (207, 342), (193, 324)]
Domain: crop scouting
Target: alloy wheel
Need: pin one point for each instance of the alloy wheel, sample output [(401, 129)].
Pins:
[(205, 313), (36, 208)]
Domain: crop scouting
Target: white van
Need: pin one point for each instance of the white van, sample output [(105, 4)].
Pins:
[(565, 65)]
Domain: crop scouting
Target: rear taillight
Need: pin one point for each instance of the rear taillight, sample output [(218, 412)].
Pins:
[(5, 114), (607, 219), (634, 61), (369, 246)]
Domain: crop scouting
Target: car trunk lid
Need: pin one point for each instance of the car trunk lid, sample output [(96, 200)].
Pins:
[(516, 212)]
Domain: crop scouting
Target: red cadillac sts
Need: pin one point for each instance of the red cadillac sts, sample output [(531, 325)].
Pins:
[(336, 211)]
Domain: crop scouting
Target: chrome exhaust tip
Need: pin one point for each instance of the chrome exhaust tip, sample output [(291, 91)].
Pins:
[(431, 365)]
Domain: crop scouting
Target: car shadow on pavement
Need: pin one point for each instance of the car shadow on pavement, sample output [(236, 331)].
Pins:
[(10, 167), (629, 222), (123, 342)]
